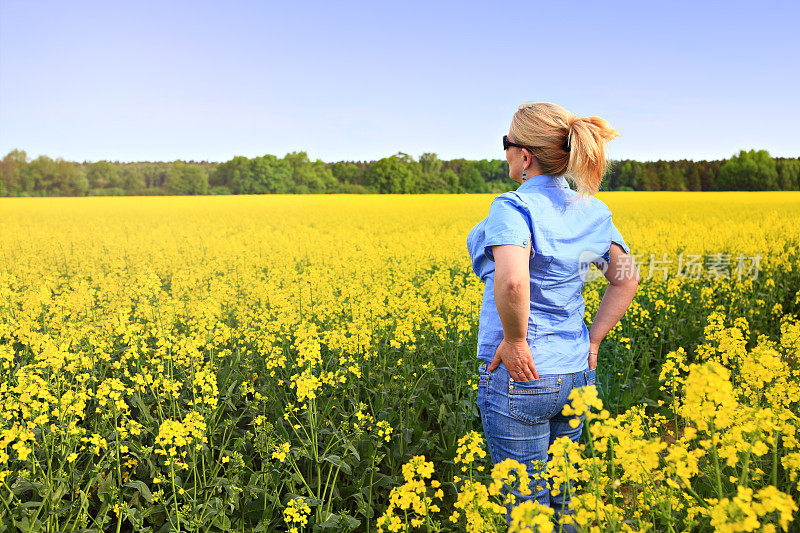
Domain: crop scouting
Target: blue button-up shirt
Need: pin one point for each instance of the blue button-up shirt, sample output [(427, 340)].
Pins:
[(565, 238)]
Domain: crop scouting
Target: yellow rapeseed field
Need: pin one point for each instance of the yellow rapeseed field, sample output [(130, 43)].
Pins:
[(299, 363)]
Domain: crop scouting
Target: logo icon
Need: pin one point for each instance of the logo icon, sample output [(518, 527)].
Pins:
[(585, 260)]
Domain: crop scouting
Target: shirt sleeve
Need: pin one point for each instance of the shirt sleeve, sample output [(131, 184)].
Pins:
[(508, 222), (616, 237), (473, 247)]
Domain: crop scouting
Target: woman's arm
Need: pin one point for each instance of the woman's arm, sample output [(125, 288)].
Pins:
[(623, 280), (512, 296), (512, 289)]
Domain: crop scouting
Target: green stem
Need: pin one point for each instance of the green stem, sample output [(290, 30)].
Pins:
[(119, 472), (613, 471), (717, 473), (328, 508), (174, 496), (775, 458), (216, 466), (5, 504), (596, 488), (300, 474), (746, 466), (699, 498), (371, 473), (669, 512)]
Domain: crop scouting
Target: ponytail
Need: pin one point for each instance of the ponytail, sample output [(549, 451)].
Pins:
[(587, 155)]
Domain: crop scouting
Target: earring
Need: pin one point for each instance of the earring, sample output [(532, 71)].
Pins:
[(523, 176)]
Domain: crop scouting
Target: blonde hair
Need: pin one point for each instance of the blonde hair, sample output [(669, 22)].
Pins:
[(548, 129)]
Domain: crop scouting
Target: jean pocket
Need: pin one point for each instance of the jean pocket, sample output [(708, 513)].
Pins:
[(534, 401), (591, 376)]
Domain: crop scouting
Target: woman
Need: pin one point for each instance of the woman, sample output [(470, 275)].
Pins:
[(533, 251)]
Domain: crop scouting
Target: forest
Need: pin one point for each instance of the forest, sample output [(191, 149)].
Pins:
[(295, 173)]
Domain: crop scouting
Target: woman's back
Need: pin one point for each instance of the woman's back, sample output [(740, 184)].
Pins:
[(566, 235)]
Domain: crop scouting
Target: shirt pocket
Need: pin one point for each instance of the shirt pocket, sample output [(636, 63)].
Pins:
[(534, 401)]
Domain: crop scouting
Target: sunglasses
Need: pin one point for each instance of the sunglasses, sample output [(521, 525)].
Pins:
[(507, 144)]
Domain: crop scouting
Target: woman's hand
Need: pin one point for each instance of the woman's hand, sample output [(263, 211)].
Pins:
[(593, 349), (517, 358)]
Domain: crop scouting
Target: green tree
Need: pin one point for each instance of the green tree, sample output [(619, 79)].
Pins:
[(451, 181), (389, 175), (308, 177), (624, 176), (415, 182), (693, 178), (788, 174), (669, 177), (132, 178), (270, 175), (470, 180), (12, 173), (644, 177), (347, 173), (43, 172), (494, 170), (70, 179), (103, 174), (235, 174), (186, 179), (430, 169), (748, 171), (430, 163), (708, 173), (155, 175), (434, 183)]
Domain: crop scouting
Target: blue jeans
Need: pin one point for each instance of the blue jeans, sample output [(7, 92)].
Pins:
[(521, 419)]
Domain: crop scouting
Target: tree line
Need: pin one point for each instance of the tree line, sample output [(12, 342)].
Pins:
[(295, 173)]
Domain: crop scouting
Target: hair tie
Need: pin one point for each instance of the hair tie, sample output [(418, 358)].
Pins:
[(566, 140)]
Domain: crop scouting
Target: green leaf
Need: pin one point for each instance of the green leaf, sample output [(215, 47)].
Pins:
[(222, 521), (339, 462), (24, 525), (331, 522), (352, 522), (142, 488), (21, 487)]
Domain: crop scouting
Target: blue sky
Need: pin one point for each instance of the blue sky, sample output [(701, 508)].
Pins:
[(134, 81)]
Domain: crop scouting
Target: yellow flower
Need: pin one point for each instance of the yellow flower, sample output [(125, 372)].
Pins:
[(281, 452), (296, 513)]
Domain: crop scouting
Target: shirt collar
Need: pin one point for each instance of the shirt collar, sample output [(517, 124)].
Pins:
[(544, 180)]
